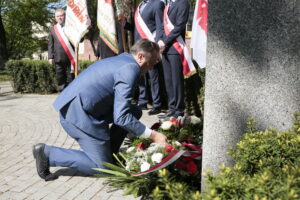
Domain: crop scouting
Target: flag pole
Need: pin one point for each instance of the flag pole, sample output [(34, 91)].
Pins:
[(123, 39), (76, 61)]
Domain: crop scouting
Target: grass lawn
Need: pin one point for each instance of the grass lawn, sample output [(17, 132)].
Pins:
[(4, 76)]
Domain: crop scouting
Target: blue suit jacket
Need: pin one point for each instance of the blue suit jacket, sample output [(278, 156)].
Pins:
[(178, 14), (153, 18), (102, 94)]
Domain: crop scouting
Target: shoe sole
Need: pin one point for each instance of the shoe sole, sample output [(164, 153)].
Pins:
[(33, 152)]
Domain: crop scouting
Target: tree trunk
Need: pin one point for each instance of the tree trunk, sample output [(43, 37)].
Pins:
[(252, 71), (3, 50)]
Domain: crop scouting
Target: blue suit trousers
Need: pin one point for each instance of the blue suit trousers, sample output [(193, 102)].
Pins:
[(94, 152)]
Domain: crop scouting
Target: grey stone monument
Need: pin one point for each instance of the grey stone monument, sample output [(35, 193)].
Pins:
[(253, 70)]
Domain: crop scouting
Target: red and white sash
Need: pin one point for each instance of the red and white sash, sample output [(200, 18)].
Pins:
[(141, 26), (65, 44), (188, 66)]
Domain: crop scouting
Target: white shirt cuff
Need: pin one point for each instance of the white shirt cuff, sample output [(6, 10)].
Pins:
[(146, 133)]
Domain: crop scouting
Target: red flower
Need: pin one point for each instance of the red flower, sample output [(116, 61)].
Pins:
[(141, 146), (169, 147), (174, 121), (180, 165), (191, 167), (155, 126), (189, 140)]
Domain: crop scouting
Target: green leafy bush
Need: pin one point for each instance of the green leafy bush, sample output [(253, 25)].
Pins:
[(4, 76), (35, 76), (267, 167)]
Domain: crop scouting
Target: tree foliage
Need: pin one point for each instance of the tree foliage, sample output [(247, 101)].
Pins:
[(22, 21)]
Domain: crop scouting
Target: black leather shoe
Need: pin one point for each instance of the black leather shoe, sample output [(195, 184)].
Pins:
[(143, 106), (176, 115), (154, 111), (42, 162), (168, 114)]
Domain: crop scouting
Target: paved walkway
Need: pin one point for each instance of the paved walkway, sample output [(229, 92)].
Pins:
[(27, 119)]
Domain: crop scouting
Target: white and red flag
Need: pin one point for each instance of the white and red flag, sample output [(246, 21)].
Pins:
[(76, 24), (77, 21), (107, 24), (199, 32)]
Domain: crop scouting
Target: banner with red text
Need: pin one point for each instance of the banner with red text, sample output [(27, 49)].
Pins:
[(199, 32), (77, 21), (107, 24)]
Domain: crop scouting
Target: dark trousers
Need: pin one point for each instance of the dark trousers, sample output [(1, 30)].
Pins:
[(174, 82), (63, 75), (154, 83)]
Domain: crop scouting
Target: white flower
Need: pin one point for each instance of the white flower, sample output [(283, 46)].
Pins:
[(145, 166), (177, 143), (130, 149), (140, 160), (166, 125), (154, 147), (139, 154), (195, 120), (157, 157)]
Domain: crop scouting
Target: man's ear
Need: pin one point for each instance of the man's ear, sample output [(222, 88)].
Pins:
[(140, 55)]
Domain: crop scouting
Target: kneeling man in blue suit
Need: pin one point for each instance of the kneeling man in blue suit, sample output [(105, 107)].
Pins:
[(99, 96)]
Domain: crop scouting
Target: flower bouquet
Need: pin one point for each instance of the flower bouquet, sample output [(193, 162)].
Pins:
[(148, 169)]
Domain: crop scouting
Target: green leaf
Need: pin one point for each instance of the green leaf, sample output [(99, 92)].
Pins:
[(116, 168), (108, 171), (116, 157)]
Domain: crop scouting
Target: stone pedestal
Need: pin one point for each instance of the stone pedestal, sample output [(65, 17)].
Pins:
[(253, 70)]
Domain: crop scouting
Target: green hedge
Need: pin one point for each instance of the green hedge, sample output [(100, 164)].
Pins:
[(34, 76), (267, 167)]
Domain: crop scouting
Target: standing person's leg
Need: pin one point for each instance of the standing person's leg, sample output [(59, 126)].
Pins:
[(70, 76), (143, 97), (167, 68), (95, 151), (154, 79), (178, 83), (61, 76)]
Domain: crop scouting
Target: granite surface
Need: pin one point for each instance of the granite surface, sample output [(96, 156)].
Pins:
[(253, 70)]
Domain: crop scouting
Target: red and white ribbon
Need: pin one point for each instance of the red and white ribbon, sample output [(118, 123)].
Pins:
[(188, 66), (65, 44), (142, 27), (166, 161)]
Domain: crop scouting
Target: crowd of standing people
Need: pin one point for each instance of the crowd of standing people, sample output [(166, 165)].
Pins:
[(151, 16)]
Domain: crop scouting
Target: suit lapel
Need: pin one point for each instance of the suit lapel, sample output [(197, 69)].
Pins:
[(171, 8)]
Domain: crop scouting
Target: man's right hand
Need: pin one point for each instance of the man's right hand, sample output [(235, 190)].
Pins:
[(158, 138), (51, 61), (161, 45)]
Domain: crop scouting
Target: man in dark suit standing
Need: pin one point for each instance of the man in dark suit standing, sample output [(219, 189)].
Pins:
[(148, 24), (175, 16), (100, 95), (60, 51)]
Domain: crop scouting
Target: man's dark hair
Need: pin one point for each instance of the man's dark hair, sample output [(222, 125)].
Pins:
[(146, 46)]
